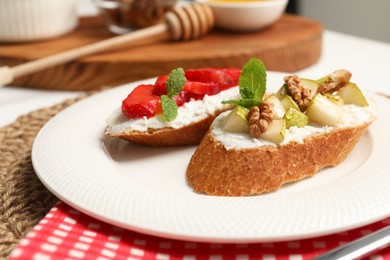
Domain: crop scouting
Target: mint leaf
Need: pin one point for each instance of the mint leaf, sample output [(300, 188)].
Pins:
[(253, 80), (169, 108), (252, 84), (247, 103), (175, 82), (247, 93)]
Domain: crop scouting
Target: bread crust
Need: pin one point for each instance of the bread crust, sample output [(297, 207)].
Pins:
[(191, 134), (213, 170)]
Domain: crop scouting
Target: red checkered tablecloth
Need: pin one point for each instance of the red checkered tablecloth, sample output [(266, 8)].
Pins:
[(66, 233)]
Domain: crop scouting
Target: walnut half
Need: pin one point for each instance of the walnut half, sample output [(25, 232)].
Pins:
[(259, 118), (299, 92)]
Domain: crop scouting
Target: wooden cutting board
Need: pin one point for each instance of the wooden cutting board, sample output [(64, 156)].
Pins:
[(291, 44)]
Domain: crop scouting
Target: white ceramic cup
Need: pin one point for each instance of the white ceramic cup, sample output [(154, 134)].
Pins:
[(31, 20)]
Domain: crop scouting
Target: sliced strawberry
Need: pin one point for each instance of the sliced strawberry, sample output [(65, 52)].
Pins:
[(141, 102), (225, 77), (193, 96), (160, 87), (198, 88), (201, 88), (145, 99), (181, 98)]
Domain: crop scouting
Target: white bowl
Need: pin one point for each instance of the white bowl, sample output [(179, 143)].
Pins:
[(30, 20), (246, 15)]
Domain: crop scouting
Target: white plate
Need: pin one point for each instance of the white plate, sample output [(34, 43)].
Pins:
[(144, 189)]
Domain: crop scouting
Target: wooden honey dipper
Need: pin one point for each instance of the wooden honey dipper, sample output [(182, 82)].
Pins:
[(189, 22)]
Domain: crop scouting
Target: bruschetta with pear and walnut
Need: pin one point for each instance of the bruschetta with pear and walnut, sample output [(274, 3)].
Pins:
[(269, 140)]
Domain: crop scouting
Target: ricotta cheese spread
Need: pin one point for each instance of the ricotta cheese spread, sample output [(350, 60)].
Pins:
[(353, 115), (190, 112)]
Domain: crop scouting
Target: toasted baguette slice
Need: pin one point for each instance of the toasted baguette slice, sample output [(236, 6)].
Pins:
[(193, 121), (190, 134), (216, 170)]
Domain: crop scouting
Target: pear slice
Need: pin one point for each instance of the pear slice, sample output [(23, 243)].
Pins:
[(282, 92), (236, 121), (276, 131), (277, 107), (296, 118), (337, 100), (312, 84), (288, 102), (351, 94), (336, 77), (323, 112)]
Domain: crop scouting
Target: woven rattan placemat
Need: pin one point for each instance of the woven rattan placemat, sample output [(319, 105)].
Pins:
[(23, 198)]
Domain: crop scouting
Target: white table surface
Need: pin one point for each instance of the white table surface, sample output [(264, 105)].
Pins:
[(368, 60)]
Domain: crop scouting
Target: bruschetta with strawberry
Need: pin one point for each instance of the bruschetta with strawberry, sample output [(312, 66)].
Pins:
[(177, 109)]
